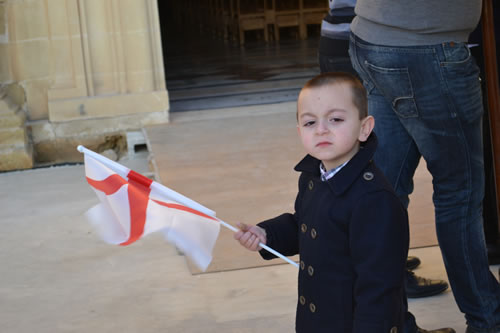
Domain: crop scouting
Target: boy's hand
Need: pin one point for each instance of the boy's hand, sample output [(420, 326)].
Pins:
[(250, 236)]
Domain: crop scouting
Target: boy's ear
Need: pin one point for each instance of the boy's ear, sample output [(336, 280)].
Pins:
[(367, 125)]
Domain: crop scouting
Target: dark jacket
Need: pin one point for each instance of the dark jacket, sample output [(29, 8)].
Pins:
[(351, 233)]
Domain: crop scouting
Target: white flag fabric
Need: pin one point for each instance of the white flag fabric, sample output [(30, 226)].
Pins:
[(132, 206)]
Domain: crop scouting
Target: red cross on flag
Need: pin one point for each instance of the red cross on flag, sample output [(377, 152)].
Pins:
[(132, 206)]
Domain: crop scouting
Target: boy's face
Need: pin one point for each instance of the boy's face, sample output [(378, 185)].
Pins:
[(329, 124)]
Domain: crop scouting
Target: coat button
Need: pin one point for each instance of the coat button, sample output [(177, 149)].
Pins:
[(302, 300), (368, 175), (302, 265), (312, 307), (311, 185), (310, 270), (394, 330), (313, 233), (303, 227)]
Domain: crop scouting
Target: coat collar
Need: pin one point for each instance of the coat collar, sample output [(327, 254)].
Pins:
[(348, 174)]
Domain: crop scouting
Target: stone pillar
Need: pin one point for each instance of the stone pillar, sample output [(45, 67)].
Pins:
[(108, 62)]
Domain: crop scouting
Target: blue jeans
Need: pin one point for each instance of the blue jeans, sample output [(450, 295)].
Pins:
[(426, 101)]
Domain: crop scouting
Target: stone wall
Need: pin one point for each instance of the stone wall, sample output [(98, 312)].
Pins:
[(87, 71)]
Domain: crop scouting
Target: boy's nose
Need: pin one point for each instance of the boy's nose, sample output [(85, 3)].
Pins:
[(322, 127)]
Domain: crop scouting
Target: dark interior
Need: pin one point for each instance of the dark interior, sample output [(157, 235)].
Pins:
[(208, 65)]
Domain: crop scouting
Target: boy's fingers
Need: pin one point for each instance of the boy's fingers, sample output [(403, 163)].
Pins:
[(249, 240), (249, 236), (255, 244), (244, 238)]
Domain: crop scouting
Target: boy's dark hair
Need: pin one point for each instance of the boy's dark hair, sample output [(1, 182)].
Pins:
[(359, 98)]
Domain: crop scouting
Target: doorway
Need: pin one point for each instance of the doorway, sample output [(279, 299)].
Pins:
[(208, 66)]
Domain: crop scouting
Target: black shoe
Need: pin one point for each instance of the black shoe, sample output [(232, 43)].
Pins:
[(439, 330), (412, 263), (417, 286)]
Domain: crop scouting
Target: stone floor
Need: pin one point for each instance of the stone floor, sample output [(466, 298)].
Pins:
[(58, 276), (207, 73)]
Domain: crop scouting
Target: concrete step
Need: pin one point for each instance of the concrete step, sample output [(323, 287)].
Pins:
[(15, 136), (16, 158)]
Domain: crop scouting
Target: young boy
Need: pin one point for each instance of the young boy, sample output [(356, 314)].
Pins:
[(349, 228)]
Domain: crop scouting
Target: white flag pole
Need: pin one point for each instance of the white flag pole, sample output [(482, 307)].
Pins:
[(124, 171)]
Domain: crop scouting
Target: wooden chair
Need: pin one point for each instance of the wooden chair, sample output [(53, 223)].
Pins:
[(251, 16), (288, 14), (313, 12), (270, 17)]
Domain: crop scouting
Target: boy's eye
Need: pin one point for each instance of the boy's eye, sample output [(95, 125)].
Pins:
[(334, 119), (308, 123)]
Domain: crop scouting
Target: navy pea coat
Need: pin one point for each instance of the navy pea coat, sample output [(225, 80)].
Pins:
[(351, 233)]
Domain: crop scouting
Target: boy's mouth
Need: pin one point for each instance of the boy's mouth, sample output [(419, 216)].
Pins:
[(323, 144)]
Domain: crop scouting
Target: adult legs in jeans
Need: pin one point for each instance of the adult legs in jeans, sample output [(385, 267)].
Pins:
[(426, 102)]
